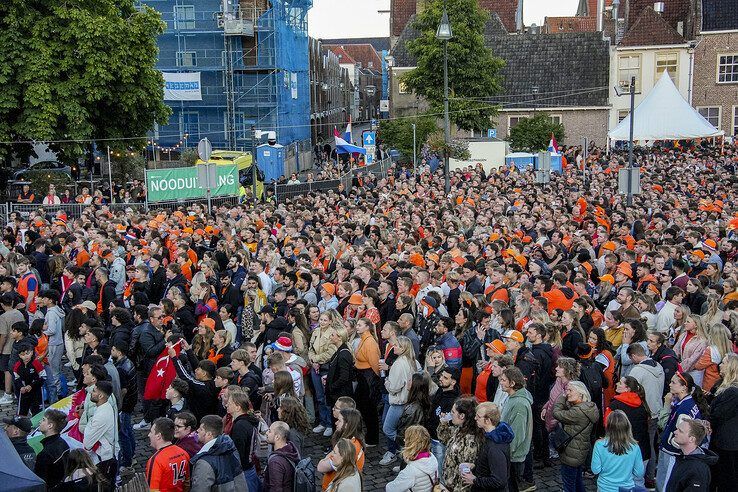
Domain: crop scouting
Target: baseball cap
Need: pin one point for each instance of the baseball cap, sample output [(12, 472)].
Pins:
[(608, 278), (89, 305), (209, 323), (514, 335), (497, 345), (23, 423)]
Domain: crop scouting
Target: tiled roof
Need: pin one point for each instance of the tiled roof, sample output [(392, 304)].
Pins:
[(675, 11), (564, 76), (557, 25), (506, 9), (400, 13), (341, 53), (379, 44), (361, 53), (719, 15), (651, 29)]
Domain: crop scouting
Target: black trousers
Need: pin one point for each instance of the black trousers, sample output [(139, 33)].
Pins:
[(367, 405), (109, 468)]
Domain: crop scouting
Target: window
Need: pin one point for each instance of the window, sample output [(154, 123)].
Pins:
[(735, 120), (667, 62), (184, 16), (622, 114), (186, 58), (190, 124), (727, 68), (513, 120), (402, 88), (629, 66), (555, 118), (712, 115)]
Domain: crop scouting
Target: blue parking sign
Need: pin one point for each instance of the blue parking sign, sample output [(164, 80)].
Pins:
[(492, 133)]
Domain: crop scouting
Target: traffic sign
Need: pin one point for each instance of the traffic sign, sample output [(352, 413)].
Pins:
[(374, 124), (370, 139), (492, 133), (204, 150), (369, 158)]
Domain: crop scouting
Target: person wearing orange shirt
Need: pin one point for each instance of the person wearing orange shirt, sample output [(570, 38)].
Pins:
[(367, 365), (560, 296), (168, 469)]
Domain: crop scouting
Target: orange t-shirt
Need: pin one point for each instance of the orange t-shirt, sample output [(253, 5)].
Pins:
[(480, 392), (328, 477), (168, 469)]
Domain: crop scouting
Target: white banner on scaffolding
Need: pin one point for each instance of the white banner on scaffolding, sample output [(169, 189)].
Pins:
[(182, 86)]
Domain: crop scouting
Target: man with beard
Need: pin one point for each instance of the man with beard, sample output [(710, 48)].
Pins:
[(441, 404)]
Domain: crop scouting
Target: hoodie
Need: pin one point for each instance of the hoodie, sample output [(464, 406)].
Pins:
[(651, 376), (692, 472), (492, 466), (216, 467), (632, 405), (517, 413), (442, 402), (280, 474), (419, 474), (451, 349), (560, 298), (54, 325)]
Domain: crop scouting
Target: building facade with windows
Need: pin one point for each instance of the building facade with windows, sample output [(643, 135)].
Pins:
[(650, 47), (331, 92), (715, 93), (252, 58)]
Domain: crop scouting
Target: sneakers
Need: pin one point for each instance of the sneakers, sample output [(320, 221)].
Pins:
[(387, 458), (328, 432), (319, 429), (143, 425), (7, 399), (524, 486), (396, 469), (371, 445)]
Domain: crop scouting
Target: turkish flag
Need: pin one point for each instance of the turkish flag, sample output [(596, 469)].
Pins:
[(161, 375)]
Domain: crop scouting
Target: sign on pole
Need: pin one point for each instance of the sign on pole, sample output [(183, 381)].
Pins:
[(384, 105), (491, 132), (370, 139), (204, 150), (183, 183)]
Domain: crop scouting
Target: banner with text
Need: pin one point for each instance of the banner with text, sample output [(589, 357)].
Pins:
[(182, 183), (182, 86)]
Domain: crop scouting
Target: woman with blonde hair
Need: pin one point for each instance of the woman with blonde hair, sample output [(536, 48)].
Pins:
[(203, 342), (681, 313), (396, 384), (616, 459), (421, 472), (718, 346), (343, 460), (690, 346), (221, 351), (724, 422)]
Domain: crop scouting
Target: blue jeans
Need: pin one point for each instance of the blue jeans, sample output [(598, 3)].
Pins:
[(253, 484), (389, 427), (324, 412), (571, 478), (127, 440), (385, 406), (439, 451), (53, 372)]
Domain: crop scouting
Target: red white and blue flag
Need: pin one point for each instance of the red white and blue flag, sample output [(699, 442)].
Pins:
[(343, 143), (553, 146)]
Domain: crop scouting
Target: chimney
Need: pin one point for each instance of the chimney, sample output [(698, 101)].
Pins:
[(600, 14), (519, 24), (658, 7)]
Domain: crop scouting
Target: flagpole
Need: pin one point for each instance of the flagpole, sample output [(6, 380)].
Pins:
[(110, 175)]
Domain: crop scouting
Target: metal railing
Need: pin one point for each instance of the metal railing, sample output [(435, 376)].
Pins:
[(378, 169)]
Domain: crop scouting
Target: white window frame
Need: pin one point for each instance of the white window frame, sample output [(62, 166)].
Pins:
[(624, 113), (735, 71), (181, 58), (556, 118), (734, 122), (182, 18), (517, 119), (639, 75), (719, 115), (664, 54)]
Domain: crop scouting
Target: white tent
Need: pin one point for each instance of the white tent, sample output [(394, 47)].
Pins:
[(664, 115)]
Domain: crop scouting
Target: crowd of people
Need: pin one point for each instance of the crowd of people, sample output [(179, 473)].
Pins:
[(477, 337)]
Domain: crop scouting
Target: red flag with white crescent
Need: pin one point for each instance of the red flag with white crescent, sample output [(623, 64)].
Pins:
[(161, 375)]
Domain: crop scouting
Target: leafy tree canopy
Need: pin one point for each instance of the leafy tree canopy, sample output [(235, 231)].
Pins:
[(398, 134), (533, 134), (473, 71), (78, 71)]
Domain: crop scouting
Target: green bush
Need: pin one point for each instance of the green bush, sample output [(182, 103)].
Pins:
[(534, 134)]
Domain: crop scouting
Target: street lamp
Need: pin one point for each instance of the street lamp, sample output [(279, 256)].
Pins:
[(444, 33), (632, 92), (534, 90)]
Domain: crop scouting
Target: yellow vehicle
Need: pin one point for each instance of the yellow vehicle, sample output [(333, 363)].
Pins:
[(243, 160)]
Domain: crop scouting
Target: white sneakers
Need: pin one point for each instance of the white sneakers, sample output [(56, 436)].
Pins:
[(319, 429), (328, 432), (143, 425), (7, 399), (387, 458)]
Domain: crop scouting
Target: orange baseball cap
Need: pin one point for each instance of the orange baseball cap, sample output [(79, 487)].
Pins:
[(699, 253), (497, 345), (608, 278), (514, 335), (208, 323), (609, 245), (329, 287), (355, 299), (710, 243)]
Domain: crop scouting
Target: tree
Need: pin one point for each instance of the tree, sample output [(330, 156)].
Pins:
[(534, 134), (74, 72), (473, 71), (398, 134)]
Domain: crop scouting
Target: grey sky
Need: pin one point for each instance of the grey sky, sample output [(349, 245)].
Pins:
[(359, 18)]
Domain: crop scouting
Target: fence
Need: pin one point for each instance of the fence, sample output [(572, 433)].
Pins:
[(378, 169)]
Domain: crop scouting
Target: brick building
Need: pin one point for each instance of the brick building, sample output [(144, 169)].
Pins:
[(331, 92), (715, 85)]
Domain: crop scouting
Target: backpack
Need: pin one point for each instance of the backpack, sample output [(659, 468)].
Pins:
[(259, 448), (304, 479), (592, 377)]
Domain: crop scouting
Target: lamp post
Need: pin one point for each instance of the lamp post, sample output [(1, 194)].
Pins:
[(415, 164), (630, 143), (444, 33)]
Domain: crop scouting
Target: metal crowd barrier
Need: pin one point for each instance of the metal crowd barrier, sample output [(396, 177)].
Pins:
[(379, 168)]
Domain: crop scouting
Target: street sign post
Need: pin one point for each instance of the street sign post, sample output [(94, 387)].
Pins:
[(205, 150), (370, 139), (492, 133)]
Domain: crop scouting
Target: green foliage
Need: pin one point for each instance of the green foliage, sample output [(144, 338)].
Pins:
[(188, 157), (472, 68), (436, 144), (40, 181), (534, 134), (398, 134), (77, 71), (126, 168)]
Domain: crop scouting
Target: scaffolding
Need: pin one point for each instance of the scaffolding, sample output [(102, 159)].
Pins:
[(254, 62)]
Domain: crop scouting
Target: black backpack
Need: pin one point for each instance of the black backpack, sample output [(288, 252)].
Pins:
[(591, 375), (304, 480)]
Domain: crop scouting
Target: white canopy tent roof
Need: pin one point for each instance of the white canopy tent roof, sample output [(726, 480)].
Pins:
[(664, 115)]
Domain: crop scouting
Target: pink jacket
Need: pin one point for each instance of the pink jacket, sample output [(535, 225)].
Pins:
[(557, 390)]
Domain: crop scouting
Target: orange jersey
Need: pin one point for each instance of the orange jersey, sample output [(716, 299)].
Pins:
[(168, 469)]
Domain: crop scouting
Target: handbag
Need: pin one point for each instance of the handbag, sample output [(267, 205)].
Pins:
[(560, 439)]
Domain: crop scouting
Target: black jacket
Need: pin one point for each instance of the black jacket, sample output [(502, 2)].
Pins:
[(340, 375), (76, 294), (691, 473), (492, 466), (203, 395), (185, 319), (230, 295), (540, 384), (569, 342), (108, 296), (178, 282), (51, 460), (273, 329), (724, 420), (669, 362), (127, 375), (24, 450), (387, 309), (441, 402), (638, 416), (121, 334), (149, 344), (156, 286), (241, 434)]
